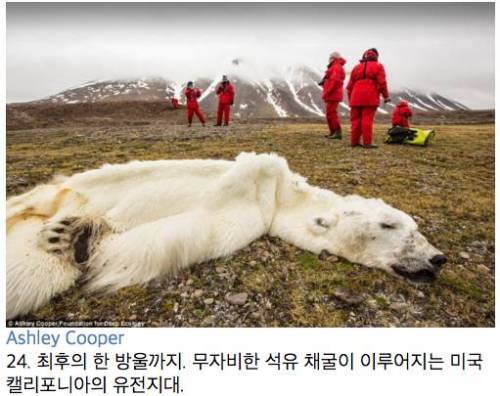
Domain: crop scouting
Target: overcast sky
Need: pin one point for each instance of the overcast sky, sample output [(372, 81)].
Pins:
[(446, 48)]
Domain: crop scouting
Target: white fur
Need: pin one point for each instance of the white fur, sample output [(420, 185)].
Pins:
[(158, 216)]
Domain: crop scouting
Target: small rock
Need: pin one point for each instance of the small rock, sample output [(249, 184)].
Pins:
[(398, 306), (237, 298), (372, 303), (324, 255), (344, 295), (256, 315), (420, 294), (176, 307), (132, 317), (208, 301), (197, 293), (252, 263), (208, 321), (483, 268), (219, 270), (189, 282), (464, 255), (479, 244)]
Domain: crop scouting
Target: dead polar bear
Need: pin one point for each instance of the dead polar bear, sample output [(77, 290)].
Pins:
[(127, 224)]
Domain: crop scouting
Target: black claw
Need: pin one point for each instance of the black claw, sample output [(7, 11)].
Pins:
[(54, 240), (59, 230)]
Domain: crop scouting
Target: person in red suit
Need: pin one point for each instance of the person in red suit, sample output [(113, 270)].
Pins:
[(175, 102), (333, 85), (192, 94), (225, 91), (401, 114), (366, 84)]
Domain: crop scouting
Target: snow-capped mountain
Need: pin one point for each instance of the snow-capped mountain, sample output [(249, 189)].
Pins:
[(294, 93)]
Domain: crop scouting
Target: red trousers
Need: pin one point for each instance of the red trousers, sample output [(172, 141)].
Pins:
[(198, 113), (224, 109), (332, 117), (362, 123)]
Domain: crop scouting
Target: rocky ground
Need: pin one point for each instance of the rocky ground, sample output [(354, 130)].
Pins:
[(447, 187)]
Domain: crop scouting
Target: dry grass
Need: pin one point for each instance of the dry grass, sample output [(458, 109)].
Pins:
[(448, 187)]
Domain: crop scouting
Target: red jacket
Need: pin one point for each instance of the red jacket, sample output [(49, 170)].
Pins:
[(225, 93), (367, 82), (401, 114), (334, 81), (192, 95)]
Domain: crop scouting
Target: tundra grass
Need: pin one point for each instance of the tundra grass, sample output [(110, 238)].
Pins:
[(447, 187)]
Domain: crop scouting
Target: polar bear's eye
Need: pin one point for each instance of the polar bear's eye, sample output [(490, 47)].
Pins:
[(321, 222), (387, 226)]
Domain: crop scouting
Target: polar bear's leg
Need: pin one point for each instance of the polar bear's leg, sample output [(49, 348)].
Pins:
[(167, 245), (33, 275), (71, 238), (254, 180), (150, 250)]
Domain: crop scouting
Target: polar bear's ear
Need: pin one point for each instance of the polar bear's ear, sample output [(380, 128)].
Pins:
[(321, 224)]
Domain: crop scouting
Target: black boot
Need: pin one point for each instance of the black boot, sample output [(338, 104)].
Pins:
[(337, 135)]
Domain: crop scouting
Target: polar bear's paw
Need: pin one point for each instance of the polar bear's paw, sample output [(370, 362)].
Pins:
[(69, 238)]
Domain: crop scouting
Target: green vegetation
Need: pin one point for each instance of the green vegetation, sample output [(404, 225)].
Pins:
[(447, 187)]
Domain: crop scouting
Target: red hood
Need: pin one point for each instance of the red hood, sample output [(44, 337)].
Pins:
[(369, 55), (339, 60), (403, 103)]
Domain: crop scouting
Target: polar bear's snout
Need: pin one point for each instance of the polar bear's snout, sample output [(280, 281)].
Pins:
[(422, 265), (438, 261)]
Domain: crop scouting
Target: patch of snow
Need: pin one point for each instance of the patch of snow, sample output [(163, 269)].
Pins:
[(345, 106), (243, 106), (413, 104), (302, 104), (432, 99), (313, 103), (425, 104), (459, 105), (210, 89), (445, 106), (272, 101), (409, 93), (177, 90), (382, 111)]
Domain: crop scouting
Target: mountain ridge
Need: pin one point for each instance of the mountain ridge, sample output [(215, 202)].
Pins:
[(294, 94)]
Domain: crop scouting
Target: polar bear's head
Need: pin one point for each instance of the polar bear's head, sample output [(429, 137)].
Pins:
[(364, 231), (370, 232)]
